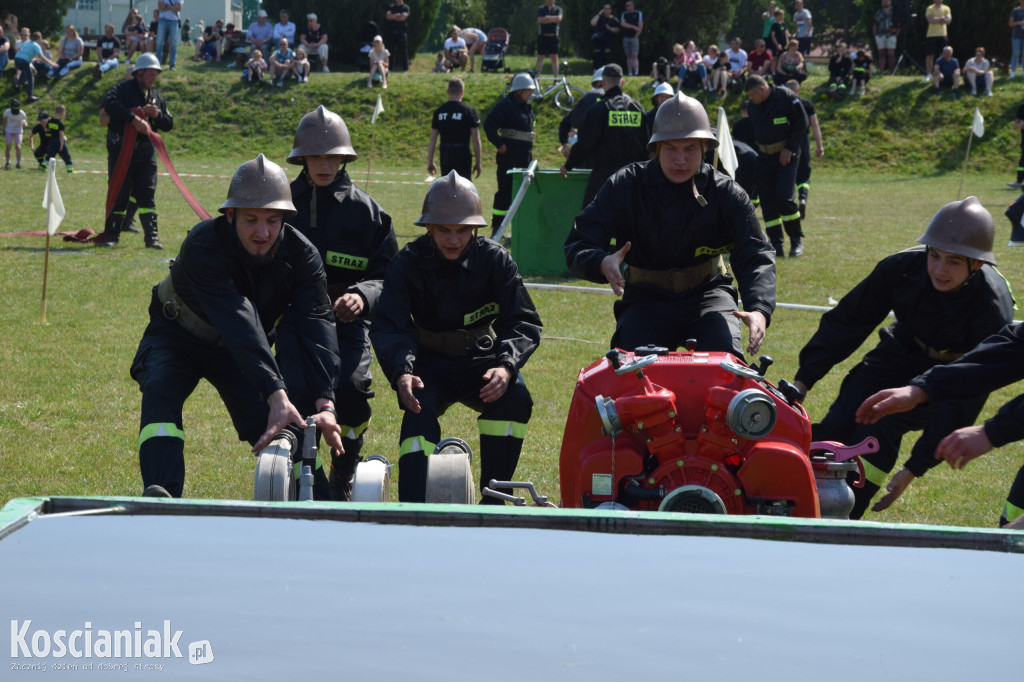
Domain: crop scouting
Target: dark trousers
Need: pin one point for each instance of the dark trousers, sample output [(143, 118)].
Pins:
[(27, 76), (458, 158), (646, 317), (54, 149), (139, 183), (398, 47), (776, 187), (502, 423), (503, 197), (595, 181), (839, 425)]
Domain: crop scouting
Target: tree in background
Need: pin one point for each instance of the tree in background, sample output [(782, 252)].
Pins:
[(461, 13), (45, 16)]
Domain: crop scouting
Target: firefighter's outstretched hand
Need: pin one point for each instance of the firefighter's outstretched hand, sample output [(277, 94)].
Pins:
[(889, 401), (899, 483), (756, 324), (611, 268), (282, 413), (497, 379), (328, 425), (407, 383), (963, 445), (348, 307)]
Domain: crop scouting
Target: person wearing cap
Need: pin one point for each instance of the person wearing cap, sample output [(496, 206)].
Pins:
[(455, 324), (356, 241), (779, 125), (662, 93), (613, 134), (122, 105), (672, 220), (40, 129), (15, 122), (315, 41), (509, 127), (947, 297), (261, 34), (214, 317), (570, 124), (455, 123)]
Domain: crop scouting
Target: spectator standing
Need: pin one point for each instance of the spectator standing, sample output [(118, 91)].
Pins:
[(938, 17), (168, 29), (69, 53), (549, 15), (15, 122), (380, 63), (315, 41), (455, 123), (768, 18), (631, 24), (29, 52), (509, 127), (476, 41), (606, 27), (57, 139), (284, 28), (886, 33), (186, 32), (946, 72), (613, 135), (804, 26), (1016, 39), (779, 125), (979, 68), (139, 181), (397, 18), (261, 34), (778, 38)]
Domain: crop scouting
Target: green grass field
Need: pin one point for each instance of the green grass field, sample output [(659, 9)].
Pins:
[(69, 411)]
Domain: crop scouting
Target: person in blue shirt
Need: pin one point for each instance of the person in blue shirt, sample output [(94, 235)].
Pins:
[(946, 72), (27, 53)]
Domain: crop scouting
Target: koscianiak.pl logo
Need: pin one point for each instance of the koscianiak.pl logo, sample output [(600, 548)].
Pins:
[(137, 643)]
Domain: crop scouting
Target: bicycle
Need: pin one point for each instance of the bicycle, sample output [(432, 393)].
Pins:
[(566, 95)]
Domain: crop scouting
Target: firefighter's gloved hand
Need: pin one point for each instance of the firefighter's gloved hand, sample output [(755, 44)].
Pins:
[(963, 445), (497, 383), (899, 483), (611, 268), (890, 401), (348, 307), (282, 413), (756, 324), (407, 383)]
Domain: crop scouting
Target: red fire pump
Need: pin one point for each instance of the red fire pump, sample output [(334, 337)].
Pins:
[(697, 432)]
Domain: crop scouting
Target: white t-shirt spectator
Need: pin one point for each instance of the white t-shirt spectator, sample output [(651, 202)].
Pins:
[(453, 45), (737, 59), (15, 122)]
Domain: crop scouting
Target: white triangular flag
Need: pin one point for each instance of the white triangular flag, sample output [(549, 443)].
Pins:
[(978, 125), (726, 150), (378, 109), (52, 202)]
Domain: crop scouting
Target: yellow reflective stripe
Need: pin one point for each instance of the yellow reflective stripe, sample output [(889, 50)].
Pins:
[(624, 119), (416, 444), (496, 211), (1008, 287), (144, 211), (804, 184), (159, 431), (792, 216), (491, 427), (873, 473), (346, 261), (1011, 512), (353, 431), (773, 223), (483, 311)]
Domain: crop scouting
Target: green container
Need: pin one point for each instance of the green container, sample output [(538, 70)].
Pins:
[(543, 221)]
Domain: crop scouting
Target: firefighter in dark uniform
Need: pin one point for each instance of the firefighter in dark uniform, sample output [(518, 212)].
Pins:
[(613, 134), (996, 362), (780, 127), (213, 318), (456, 325), (456, 124), (356, 242), (140, 180), (947, 297), (673, 218), (509, 127), (573, 121)]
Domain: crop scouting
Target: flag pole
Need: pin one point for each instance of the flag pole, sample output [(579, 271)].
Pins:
[(963, 172), (369, 160), (46, 272)]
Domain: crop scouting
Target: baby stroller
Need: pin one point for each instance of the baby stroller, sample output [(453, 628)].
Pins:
[(494, 50)]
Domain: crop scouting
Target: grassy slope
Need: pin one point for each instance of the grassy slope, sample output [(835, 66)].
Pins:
[(68, 409)]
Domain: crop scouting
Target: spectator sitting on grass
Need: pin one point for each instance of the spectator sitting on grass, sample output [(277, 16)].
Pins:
[(109, 49), (69, 53), (315, 41), (255, 68), (208, 43), (136, 36), (440, 66), (861, 69), (261, 34), (976, 68), (455, 51), (300, 67), (840, 66), (790, 64), (760, 60), (380, 61), (281, 62), (946, 72), (5, 48)]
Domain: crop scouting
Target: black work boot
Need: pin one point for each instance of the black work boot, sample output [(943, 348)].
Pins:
[(128, 224), (412, 477), (343, 467), (777, 240), (499, 456), (796, 238), (111, 231), (148, 221)]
